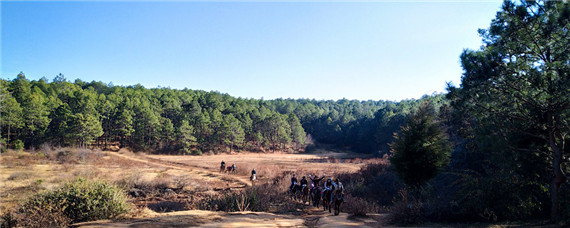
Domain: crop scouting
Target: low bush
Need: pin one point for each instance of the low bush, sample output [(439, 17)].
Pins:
[(77, 201), (18, 145), (41, 211), (406, 209), (256, 198), (358, 206)]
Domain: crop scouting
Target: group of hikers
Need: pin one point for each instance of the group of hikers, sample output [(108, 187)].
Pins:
[(331, 192)]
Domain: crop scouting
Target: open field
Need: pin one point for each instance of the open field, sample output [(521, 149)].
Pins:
[(166, 189)]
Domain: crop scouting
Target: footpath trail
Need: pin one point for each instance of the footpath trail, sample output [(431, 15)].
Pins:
[(198, 218), (234, 181)]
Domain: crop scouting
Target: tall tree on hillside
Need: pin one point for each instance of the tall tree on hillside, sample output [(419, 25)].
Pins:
[(60, 127), (186, 137), (298, 135), (86, 127), (124, 125), (11, 115), (167, 133), (232, 131), (519, 80), (36, 117), (421, 150), (21, 88)]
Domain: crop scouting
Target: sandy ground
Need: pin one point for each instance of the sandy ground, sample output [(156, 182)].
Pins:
[(198, 218)]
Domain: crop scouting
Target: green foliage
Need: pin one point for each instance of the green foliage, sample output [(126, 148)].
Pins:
[(18, 145), (96, 114), (514, 100), (187, 138), (422, 149), (499, 196), (80, 200), (11, 113)]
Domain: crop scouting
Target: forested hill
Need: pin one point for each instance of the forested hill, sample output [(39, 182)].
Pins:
[(63, 113)]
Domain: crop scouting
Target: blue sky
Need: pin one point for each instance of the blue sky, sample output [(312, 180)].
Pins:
[(322, 50)]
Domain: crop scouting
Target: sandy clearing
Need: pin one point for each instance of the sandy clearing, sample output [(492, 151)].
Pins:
[(189, 170), (199, 218)]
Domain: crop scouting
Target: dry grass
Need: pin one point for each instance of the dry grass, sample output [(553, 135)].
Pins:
[(270, 165), (169, 183)]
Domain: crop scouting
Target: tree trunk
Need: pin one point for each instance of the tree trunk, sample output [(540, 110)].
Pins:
[(556, 142), (8, 136)]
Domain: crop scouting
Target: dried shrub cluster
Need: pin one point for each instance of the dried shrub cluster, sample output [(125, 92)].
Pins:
[(67, 155), (406, 210), (358, 206), (257, 198)]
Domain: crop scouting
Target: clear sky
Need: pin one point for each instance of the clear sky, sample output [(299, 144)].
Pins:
[(322, 50)]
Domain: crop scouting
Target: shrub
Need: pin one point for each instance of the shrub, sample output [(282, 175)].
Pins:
[(406, 210), (358, 206), (42, 211), (8, 220), (46, 150), (18, 145), (76, 201), (257, 198)]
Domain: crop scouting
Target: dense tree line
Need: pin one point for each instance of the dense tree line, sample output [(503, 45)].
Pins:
[(508, 121), (513, 109), (64, 113)]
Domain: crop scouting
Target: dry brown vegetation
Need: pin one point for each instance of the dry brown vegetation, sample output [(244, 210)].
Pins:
[(166, 184)]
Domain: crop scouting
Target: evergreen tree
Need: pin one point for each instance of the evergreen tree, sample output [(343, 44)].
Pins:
[(86, 127), (186, 137), (518, 81), (11, 115), (422, 149), (232, 131)]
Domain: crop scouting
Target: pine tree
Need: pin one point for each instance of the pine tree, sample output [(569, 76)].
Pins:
[(422, 149)]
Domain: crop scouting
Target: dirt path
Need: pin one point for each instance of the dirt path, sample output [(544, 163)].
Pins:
[(199, 218), (192, 170)]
